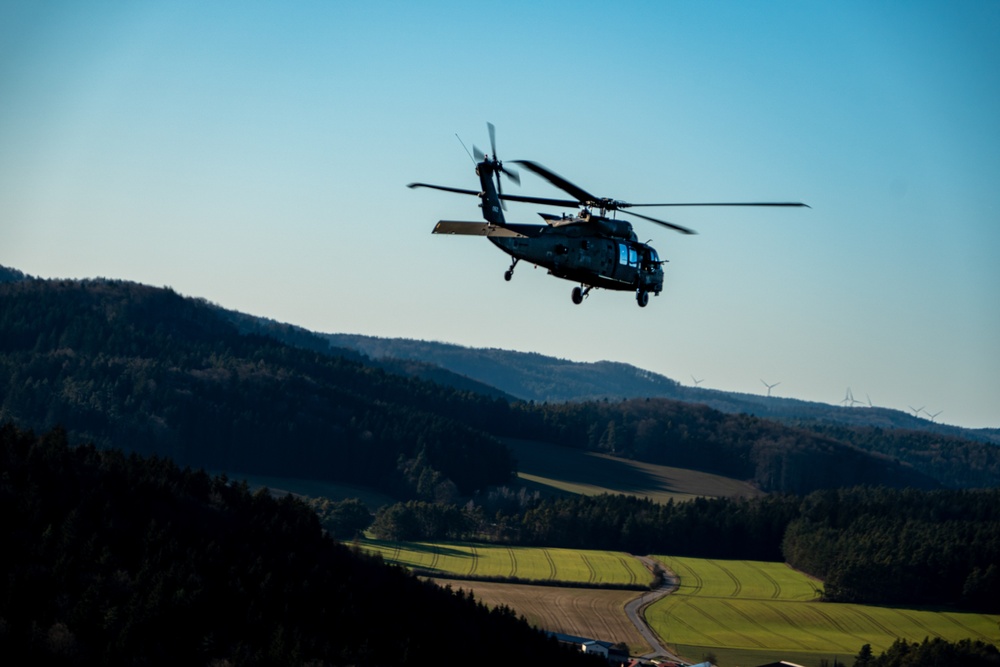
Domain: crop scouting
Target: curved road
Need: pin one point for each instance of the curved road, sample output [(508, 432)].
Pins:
[(634, 609)]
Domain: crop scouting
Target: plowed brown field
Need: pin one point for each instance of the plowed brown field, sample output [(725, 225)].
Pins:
[(584, 612)]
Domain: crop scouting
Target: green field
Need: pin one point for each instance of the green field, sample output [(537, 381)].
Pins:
[(488, 561), (748, 612), (552, 469)]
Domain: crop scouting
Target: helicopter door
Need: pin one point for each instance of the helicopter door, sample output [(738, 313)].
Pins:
[(628, 263)]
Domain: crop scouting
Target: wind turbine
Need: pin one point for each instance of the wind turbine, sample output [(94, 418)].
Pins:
[(869, 401), (849, 398), (770, 387), (934, 416), (916, 411), (697, 381)]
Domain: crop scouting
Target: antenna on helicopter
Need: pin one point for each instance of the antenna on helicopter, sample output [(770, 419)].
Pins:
[(465, 147)]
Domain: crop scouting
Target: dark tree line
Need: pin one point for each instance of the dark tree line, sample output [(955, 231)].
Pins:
[(935, 652), (703, 527), (903, 546), (953, 461), (117, 559), (874, 545)]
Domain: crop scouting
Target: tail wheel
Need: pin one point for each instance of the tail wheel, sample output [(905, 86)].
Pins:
[(642, 298)]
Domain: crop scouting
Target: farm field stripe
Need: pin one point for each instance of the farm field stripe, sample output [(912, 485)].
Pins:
[(792, 623), (632, 580), (435, 550), (704, 612), (592, 577), (737, 583), (552, 564), (871, 619), (675, 618), (836, 623), (684, 572), (776, 593), (513, 563), (764, 630), (917, 622), (475, 560), (958, 621)]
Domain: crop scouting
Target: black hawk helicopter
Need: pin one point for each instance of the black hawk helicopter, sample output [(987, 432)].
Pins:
[(589, 248)]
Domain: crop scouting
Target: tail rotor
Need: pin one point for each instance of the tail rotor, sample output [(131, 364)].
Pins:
[(494, 164)]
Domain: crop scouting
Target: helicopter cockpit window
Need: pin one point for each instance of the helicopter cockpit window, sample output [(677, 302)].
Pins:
[(627, 256), (653, 257)]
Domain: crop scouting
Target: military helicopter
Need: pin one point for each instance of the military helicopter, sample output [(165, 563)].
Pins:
[(589, 247)]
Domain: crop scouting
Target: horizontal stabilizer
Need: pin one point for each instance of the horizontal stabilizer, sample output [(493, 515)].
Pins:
[(472, 228)]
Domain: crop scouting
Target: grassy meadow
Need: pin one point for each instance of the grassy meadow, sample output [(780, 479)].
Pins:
[(552, 469), (495, 562), (741, 612), (747, 612)]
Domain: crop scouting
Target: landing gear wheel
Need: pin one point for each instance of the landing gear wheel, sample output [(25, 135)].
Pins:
[(577, 295), (509, 273), (642, 298)]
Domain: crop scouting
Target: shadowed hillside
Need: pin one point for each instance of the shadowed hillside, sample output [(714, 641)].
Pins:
[(121, 560), (147, 370)]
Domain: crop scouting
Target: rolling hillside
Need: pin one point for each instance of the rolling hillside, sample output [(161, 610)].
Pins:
[(148, 370), (535, 377)]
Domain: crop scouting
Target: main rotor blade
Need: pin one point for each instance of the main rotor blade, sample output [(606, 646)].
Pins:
[(669, 225), (582, 196), (780, 203), (445, 188), (518, 198), (542, 200)]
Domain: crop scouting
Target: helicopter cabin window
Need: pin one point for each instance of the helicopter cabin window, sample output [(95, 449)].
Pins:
[(627, 256)]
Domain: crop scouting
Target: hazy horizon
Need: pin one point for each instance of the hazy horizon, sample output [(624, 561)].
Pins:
[(257, 156)]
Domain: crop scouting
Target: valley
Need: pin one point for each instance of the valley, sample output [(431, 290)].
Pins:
[(488, 487), (743, 612)]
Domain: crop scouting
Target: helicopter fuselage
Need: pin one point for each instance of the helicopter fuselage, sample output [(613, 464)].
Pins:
[(589, 249), (579, 251)]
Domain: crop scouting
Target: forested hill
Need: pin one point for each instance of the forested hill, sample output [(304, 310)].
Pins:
[(111, 559), (535, 377), (144, 369)]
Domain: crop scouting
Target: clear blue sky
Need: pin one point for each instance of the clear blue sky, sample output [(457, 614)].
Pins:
[(256, 155)]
